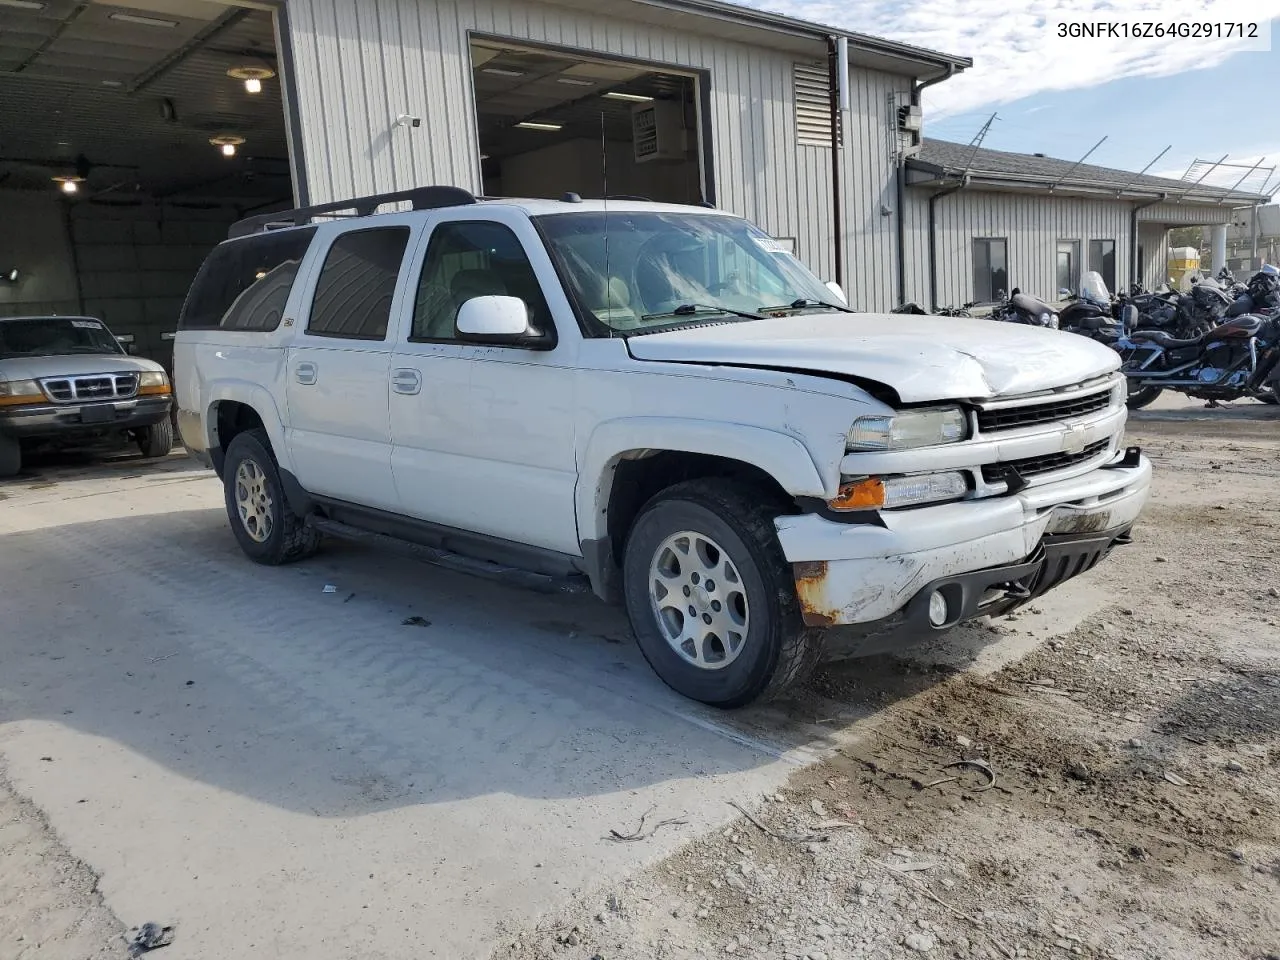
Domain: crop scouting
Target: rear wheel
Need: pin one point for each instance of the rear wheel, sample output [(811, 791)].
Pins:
[(266, 529), (1272, 394), (157, 439), (711, 597), (1140, 397), (10, 457)]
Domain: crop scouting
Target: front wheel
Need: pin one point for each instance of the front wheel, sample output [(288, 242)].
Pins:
[(267, 530), (1140, 397), (1271, 394), (711, 597), (10, 456), (156, 440)]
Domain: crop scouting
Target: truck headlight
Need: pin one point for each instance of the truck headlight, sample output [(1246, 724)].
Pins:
[(14, 393), (910, 428), (153, 383), (887, 493)]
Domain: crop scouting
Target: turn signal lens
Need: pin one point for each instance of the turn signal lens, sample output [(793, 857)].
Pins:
[(865, 494), (14, 393), (152, 383)]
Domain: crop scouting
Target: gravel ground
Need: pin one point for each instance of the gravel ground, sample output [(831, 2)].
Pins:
[(1119, 790), (1118, 799)]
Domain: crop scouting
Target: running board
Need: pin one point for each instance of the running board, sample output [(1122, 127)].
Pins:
[(539, 582)]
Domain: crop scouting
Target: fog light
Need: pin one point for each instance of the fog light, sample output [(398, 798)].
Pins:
[(937, 608)]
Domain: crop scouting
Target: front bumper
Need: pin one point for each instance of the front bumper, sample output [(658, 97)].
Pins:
[(862, 574), (69, 419)]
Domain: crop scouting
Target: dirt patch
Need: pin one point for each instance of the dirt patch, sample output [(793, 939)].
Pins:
[(1119, 795), (49, 901)]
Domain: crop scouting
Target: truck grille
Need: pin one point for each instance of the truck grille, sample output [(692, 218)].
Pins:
[(1032, 466), (108, 386), (1008, 418)]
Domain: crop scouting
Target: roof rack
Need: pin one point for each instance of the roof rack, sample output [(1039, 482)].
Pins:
[(422, 198)]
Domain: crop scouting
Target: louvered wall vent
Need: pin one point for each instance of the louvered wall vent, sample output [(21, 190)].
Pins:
[(813, 105)]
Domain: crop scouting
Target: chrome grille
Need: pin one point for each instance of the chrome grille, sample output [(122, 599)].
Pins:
[(1010, 418), (86, 389), (1033, 466)]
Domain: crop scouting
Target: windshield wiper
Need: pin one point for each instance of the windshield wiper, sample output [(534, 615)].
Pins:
[(690, 309), (804, 302)]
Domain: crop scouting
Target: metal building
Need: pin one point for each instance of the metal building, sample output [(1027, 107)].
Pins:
[(979, 221)]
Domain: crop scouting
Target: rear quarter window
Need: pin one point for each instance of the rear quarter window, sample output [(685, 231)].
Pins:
[(245, 284)]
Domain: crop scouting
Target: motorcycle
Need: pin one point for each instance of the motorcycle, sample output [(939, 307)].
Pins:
[(1018, 307), (1237, 359), (1090, 312), (1261, 293)]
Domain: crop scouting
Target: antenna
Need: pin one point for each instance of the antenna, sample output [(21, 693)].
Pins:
[(604, 182), (1076, 164), (976, 143), (1137, 175)]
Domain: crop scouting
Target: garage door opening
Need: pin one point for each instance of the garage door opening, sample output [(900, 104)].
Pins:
[(553, 122), (131, 139)]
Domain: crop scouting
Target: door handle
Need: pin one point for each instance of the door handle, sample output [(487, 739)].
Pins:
[(406, 380), (306, 372)]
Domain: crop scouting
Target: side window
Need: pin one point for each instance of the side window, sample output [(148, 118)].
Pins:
[(990, 269), (469, 259), (245, 284), (356, 284)]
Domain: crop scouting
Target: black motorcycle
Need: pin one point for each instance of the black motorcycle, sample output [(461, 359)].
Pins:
[(1018, 307), (1090, 312), (1237, 359)]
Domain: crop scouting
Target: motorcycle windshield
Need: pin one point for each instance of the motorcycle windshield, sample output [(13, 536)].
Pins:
[(1094, 288)]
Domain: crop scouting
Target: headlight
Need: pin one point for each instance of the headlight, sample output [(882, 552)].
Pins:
[(16, 392), (874, 493), (910, 428), (1049, 320), (152, 382)]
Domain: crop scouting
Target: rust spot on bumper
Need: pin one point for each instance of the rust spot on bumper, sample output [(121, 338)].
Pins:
[(811, 588)]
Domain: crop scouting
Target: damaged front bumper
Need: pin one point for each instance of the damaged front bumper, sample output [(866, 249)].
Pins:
[(981, 556)]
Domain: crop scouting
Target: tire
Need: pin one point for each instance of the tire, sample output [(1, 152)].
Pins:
[(1142, 397), (271, 533), (10, 457), (1271, 396), (732, 526), (156, 440)]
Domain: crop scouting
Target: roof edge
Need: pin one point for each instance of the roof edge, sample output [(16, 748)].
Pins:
[(718, 9)]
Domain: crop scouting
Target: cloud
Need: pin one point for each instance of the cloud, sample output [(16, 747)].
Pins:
[(1017, 51)]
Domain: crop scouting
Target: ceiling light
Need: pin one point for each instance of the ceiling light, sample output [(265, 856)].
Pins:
[(530, 125), (629, 97), (69, 184), (227, 143), (142, 21), (252, 76), (500, 72), (23, 4), (12, 275), (113, 83), (576, 81)]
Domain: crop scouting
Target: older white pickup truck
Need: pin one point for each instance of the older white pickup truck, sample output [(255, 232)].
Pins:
[(659, 401)]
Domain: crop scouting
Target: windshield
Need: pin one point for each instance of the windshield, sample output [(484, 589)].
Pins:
[(654, 271), (54, 337), (1094, 288)]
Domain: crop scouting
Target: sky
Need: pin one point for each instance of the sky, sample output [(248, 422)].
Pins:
[(1061, 95)]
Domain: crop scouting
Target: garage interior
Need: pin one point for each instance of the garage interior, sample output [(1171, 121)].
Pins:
[(552, 122), (131, 138)]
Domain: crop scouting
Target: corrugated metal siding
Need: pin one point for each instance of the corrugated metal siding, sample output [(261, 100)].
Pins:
[(1153, 239), (1187, 215), (359, 65), (1032, 225)]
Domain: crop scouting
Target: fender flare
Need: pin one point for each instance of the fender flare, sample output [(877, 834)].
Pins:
[(251, 395), (780, 455)]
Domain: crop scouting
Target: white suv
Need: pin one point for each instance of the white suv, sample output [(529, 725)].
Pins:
[(658, 401)]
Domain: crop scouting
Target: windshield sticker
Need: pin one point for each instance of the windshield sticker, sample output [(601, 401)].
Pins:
[(86, 324), (770, 245)]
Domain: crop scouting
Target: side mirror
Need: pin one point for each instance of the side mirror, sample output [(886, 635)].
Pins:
[(838, 292), (494, 320)]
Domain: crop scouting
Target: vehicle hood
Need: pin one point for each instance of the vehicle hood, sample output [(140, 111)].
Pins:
[(921, 358), (34, 368)]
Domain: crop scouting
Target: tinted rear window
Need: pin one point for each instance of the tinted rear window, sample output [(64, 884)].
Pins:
[(244, 285), (356, 284)]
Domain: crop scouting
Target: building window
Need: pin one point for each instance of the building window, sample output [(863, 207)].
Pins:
[(1068, 272), (356, 284), (1102, 258), (990, 270)]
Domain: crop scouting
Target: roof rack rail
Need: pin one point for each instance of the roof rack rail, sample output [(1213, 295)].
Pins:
[(422, 198)]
